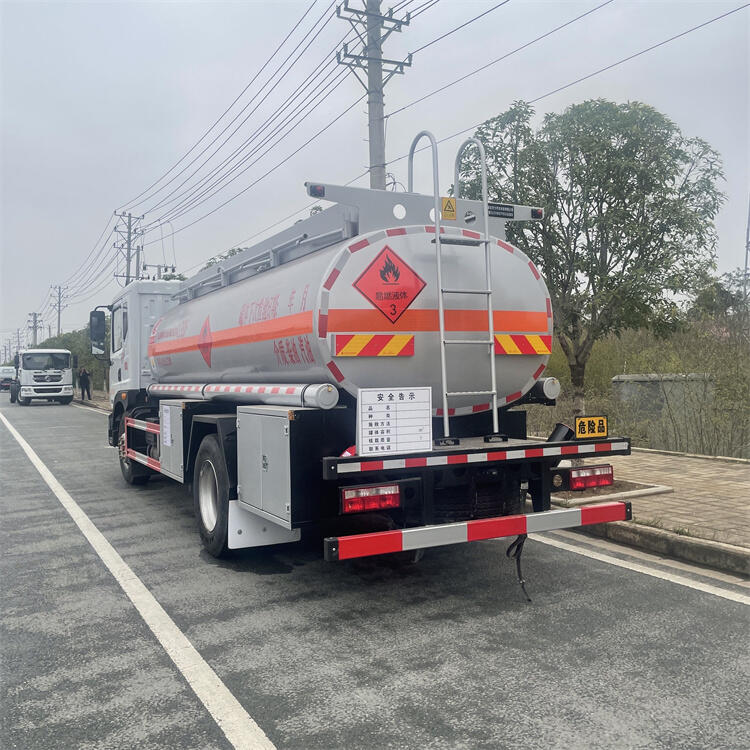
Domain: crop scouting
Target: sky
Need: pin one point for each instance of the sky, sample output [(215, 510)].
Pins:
[(98, 100)]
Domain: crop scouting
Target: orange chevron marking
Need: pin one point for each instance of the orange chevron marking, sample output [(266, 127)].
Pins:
[(512, 343), (374, 345)]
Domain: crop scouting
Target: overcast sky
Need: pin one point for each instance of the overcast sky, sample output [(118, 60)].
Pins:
[(100, 99)]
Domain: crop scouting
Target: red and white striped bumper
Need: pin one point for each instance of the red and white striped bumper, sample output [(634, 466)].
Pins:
[(401, 540)]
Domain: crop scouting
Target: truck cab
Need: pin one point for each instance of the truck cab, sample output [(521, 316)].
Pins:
[(43, 374)]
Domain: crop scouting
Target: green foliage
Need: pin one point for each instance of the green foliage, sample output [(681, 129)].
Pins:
[(629, 209), (221, 256), (174, 277)]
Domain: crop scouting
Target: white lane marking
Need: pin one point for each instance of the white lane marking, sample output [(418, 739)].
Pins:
[(90, 408), (638, 568), (655, 558), (236, 724)]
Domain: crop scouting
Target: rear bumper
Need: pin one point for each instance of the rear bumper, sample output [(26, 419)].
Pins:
[(420, 537)]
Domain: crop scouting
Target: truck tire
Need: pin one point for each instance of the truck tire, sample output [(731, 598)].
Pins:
[(13, 393), (132, 472), (211, 496), (24, 401)]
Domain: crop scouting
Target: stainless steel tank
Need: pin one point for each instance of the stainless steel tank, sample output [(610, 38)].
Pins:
[(364, 313)]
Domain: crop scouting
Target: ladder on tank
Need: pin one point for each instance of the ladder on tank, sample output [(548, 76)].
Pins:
[(485, 291)]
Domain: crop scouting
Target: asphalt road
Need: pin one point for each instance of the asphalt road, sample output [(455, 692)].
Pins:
[(365, 654)]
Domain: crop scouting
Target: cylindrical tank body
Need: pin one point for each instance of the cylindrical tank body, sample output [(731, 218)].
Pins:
[(364, 314)]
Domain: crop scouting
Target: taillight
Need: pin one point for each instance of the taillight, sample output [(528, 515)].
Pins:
[(591, 476), (373, 497), (537, 213)]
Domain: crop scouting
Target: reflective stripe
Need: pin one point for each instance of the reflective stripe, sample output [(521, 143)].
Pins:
[(553, 519), (434, 536)]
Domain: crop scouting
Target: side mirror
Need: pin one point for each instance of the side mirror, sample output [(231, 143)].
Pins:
[(97, 331)]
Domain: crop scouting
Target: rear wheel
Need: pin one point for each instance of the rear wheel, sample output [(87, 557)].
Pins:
[(132, 472), (211, 496)]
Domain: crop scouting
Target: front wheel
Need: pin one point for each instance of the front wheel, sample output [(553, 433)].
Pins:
[(24, 401), (13, 393), (211, 496)]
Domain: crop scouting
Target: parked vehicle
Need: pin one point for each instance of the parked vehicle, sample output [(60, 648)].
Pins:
[(7, 376), (360, 364), (43, 374)]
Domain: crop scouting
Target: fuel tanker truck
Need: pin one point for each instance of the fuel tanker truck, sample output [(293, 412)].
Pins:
[(361, 370)]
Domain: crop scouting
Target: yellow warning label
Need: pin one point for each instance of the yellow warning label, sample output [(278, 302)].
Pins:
[(588, 427), (448, 212)]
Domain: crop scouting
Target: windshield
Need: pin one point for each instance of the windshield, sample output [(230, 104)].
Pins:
[(45, 361)]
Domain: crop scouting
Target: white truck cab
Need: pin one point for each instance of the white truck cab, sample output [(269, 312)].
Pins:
[(44, 374)]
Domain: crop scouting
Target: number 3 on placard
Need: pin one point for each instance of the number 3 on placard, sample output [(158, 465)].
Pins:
[(393, 309)]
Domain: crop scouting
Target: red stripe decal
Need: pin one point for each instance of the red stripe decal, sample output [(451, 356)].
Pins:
[(480, 407), (336, 372), (513, 397), (496, 456), (262, 389), (602, 513), (363, 545), (523, 344), (275, 389), (462, 458), (290, 391), (322, 325), (358, 245), (539, 371), (492, 528), (533, 270), (568, 450), (603, 447), (534, 452), (549, 308), (342, 339), (412, 463), (505, 246), (374, 346), (371, 466), (395, 232), (469, 233), (431, 230), (329, 281)]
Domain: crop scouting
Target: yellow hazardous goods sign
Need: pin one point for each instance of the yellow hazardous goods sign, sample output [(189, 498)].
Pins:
[(591, 427), (448, 211)]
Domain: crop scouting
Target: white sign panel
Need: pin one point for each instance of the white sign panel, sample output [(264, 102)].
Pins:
[(394, 420), (166, 425)]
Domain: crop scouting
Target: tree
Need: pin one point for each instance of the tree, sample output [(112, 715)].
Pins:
[(629, 207)]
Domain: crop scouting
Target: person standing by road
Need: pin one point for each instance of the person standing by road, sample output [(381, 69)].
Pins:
[(84, 380)]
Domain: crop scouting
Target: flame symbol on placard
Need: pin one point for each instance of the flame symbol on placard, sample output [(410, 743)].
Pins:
[(389, 272)]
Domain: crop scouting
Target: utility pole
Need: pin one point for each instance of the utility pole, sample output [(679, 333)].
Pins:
[(58, 305), (128, 231), (377, 28), (35, 325), (18, 340)]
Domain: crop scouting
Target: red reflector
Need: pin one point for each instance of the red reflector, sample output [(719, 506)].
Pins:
[(372, 497), (537, 213), (591, 476), (317, 191)]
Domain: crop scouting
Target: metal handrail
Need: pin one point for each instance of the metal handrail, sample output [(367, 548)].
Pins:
[(441, 310), (487, 255)]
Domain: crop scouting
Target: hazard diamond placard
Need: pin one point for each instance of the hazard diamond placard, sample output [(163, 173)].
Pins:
[(389, 284)]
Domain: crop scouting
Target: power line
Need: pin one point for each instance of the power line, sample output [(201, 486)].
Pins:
[(236, 117), (591, 75), (499, 59), (458, 28), (272, 169), (224, 113)]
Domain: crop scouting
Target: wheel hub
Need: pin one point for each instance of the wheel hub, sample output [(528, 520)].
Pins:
[(208, 495)]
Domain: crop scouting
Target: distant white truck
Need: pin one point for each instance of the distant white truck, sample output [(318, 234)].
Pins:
[(43, 374)]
